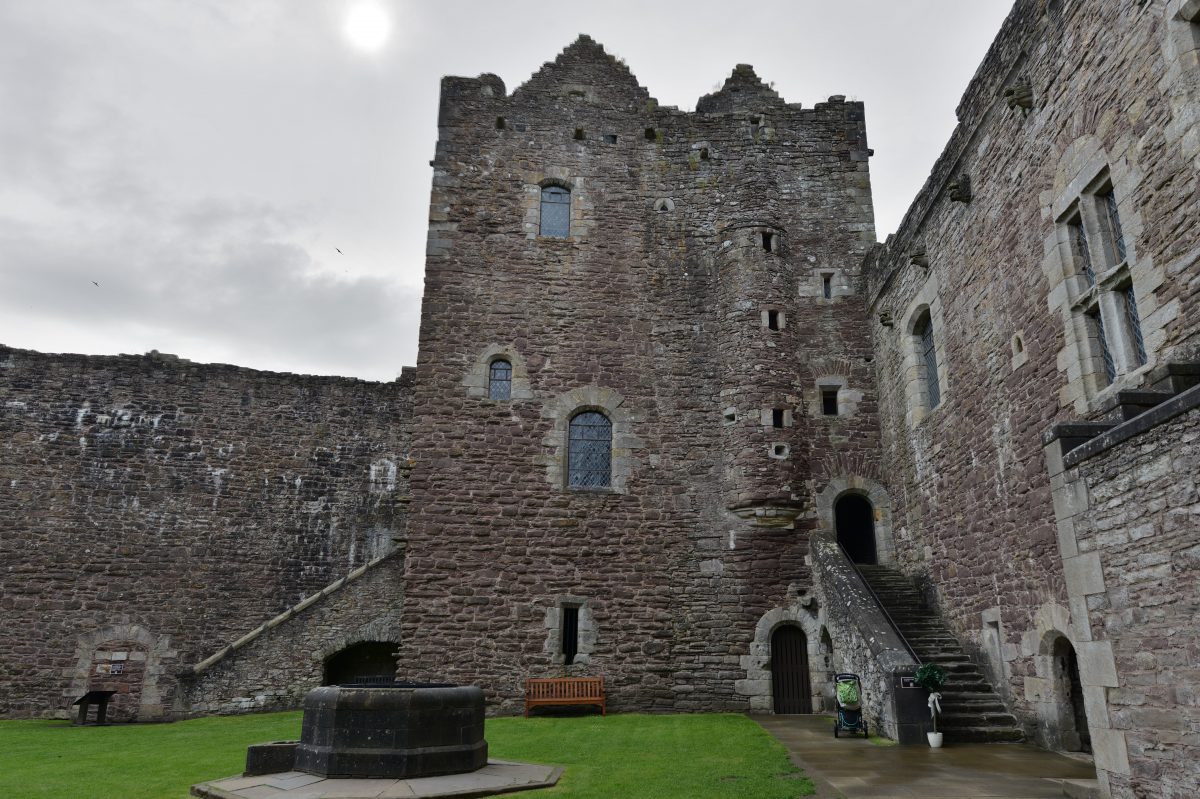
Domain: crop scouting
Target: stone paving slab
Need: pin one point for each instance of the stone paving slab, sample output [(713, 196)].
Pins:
[(497, 777), (853, 767)]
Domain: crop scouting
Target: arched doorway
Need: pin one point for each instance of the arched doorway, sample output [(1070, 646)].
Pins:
[(369, 660), (791, 688), (855, 521), (1069, 690)]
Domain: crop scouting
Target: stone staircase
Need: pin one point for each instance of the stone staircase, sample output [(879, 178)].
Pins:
[(971, 709)]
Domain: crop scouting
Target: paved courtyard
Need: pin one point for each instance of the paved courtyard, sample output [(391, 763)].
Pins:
[(853, 767)]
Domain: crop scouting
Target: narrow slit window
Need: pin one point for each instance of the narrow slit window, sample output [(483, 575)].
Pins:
[(500, 380), (570, 633), (768, 242), (772, 320), (827, 286), (703, 153), (500, 123), (829, 401), (777, 417), (556, 212)]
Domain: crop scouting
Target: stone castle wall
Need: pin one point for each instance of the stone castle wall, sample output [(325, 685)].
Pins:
[(153, 510), (1136, 529), (1111, 95), (654, 311)]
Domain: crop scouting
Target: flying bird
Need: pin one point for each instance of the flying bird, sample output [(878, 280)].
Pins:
[(339, 251), (94, 283)]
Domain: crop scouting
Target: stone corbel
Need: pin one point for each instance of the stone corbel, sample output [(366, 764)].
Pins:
[(1020, 95), (918, 257), (960, 189), (885, 319)]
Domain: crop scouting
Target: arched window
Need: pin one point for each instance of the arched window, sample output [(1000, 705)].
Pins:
[(589, 451), (927, 359), (500, 380), (556, 212)]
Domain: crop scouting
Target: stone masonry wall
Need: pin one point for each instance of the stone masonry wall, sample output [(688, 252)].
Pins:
[(1096, 92), (630, 315), (1143, 523), (287, 660), (156, 509)]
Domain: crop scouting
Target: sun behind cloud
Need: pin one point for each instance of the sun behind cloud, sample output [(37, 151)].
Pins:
[(368, 25)]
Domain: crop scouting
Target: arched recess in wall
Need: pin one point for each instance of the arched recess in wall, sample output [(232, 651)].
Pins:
[(758, 686), (1062, 709), (365, 661), (124, 657), (847, 485)]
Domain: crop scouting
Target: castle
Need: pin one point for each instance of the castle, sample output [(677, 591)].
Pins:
[(665, 370)]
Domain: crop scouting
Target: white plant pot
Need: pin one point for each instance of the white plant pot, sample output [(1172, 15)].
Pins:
[(935, 739)]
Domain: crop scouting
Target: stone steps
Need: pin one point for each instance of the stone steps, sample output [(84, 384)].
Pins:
[(971, 709)]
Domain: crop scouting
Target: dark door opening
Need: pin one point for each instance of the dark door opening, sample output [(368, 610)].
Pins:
[(855, 521), (369, 660), (790, 685), (1066, 667)]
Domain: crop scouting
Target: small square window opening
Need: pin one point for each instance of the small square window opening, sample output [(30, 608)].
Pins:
[(772, 320), (829, 401), (768, 242)]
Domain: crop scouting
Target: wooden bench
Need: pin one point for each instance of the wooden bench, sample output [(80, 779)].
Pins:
[(564, 691)]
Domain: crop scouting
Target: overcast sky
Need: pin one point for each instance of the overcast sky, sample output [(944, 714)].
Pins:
[(202, 161)]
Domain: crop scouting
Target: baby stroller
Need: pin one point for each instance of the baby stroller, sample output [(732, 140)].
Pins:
[(848, 690)]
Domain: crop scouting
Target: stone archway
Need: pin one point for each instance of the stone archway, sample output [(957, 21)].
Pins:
[(127, 658), (1064, 712), (875, 495), (804, 615)]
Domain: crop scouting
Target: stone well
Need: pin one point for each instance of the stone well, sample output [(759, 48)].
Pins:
[(399, 731)]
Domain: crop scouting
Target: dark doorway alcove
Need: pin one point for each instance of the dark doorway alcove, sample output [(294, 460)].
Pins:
[(370, 659), (1074, 733), (791, 687), (855, 520)]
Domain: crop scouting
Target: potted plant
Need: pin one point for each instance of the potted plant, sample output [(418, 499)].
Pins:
[(932, 677)]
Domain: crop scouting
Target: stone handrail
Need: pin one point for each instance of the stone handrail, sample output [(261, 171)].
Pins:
[(864, 640), (302, 605)]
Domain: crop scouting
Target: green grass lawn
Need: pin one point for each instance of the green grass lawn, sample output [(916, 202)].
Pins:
[(688, 756)]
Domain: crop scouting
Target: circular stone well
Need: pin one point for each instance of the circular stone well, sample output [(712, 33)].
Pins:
[(399, 731)]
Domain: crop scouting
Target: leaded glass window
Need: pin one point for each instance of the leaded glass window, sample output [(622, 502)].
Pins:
[(1135, 325), (500, 380), (556, 212), (1079, 239), (589, 451), (1109, 200), (1110, 366), (928, 353)]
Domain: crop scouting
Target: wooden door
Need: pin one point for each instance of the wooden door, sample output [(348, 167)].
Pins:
[(790, 684)]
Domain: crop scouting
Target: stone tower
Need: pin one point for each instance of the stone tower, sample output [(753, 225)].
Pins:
[(698, 293)]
